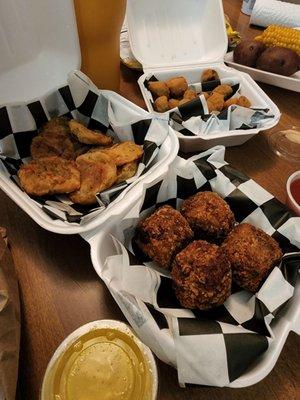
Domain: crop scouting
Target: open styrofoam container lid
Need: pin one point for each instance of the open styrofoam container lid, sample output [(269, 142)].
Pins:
[(172, 33), (38, 46)]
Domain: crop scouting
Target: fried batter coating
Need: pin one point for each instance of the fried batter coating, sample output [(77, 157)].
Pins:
[(161, 104), (230, 102), (126, 171), (243, 101), (224, 90), (177, 86), (163, 234), (54, 140), (94, 156), (209, 75), (183, 101), (158, 89), (94, 178), (124, 152), (252, 254), (190, 94), (215, 102), (208, 215), (201, 276), (87, 136), (206, 95), (173, 103), (49, 175)]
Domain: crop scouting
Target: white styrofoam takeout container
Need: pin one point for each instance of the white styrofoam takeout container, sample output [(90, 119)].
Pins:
[(38, 53), (285, 82), (101, 247), (183, 39)]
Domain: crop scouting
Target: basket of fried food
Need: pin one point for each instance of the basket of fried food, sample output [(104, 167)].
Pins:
[(68, 158), (208, 266)]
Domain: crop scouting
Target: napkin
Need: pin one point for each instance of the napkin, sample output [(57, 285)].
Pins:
[(275, 12), (9, 323)]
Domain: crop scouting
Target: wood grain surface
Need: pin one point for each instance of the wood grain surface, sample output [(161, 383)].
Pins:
[(60, 290)]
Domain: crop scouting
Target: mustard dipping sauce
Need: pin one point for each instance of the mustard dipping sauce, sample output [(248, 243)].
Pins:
[(102, 364)]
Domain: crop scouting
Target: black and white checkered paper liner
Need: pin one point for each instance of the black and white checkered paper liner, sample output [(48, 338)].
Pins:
[(20, 123), (213, 347), (193, 118)]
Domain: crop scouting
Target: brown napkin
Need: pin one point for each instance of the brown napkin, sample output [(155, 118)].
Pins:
[(9, 322)]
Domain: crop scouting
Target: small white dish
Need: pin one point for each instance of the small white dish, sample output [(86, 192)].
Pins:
[(290, 201)]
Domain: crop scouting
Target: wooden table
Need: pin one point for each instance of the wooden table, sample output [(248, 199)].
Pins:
[(60, 290)]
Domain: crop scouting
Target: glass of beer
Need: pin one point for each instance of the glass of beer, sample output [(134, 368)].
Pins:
[(99, 24)]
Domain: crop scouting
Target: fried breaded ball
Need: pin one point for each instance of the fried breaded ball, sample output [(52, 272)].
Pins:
[(126, 171), (209, 75), (243, 101), (49, 175), (224, 90), (206, 95), (161, 104), (53, 140), (208, 215), (173, 103), (190, 94), (252, 254), (230, 102), (163, 234), (87, 136), (215, 102), (177, 86), (124, 152), (183, 101), (158, 89), (94, 178), (201, 276)]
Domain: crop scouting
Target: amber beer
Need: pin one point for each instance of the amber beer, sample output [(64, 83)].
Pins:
[(99, 24)]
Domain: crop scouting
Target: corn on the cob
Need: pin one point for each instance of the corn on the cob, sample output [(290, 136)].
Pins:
[(276, 35)]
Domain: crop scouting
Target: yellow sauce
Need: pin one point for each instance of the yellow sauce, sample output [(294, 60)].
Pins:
[(103, 364)]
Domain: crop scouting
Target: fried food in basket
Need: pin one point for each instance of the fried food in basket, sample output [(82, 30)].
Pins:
[(173, 103), (252, 254), (87, 136), (190, 94), (201, 276), (177, 86), (208, 215), (242, 101), (209, 75), (163, 234), (94, 178), (215, 102), (224, 90), (54, 140), (158, 89), (126, 171), (230, 102), (183, 101), (206, 95), (49, 175), (124, 152), (161, 104)]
